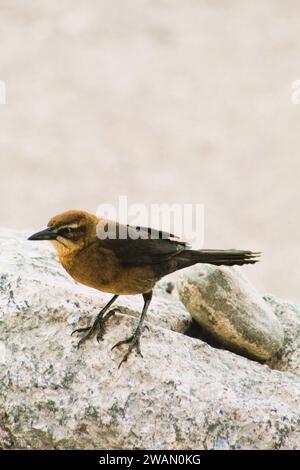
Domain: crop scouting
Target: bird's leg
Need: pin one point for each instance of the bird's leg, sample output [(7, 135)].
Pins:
[(134, 340), (99, 323)]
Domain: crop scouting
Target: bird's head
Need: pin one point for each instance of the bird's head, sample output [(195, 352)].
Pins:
[(69, 231)]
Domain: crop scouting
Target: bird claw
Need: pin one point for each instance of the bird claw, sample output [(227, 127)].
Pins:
[(111, 312), (84, 338), (80, 330), (102, 322), (91, 331), (101, 332), (90, 334), (98, 325), (134, 343)]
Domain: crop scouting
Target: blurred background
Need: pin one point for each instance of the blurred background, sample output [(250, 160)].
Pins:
[(163, 101)]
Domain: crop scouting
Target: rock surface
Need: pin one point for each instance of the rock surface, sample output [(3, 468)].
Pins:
[(225, 304), (184, 394), (289, 316)]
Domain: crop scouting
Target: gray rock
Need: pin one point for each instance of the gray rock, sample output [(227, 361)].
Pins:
[(288, 314), (226, 305), (183, 394)]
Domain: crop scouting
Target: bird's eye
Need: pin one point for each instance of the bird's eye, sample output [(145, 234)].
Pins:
[(65, 231)]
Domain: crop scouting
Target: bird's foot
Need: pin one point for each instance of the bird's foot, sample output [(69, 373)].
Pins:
[(90, 333), (80, 330), (98, 326), (102, 322), (134, 343)]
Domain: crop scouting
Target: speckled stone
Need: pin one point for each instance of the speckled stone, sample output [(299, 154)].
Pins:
[(288, 313)]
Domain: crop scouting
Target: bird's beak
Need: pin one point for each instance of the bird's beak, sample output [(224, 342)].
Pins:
[(46, 234)]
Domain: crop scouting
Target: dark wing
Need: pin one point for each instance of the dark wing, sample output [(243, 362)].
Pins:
[(136, 246), (154, 233)]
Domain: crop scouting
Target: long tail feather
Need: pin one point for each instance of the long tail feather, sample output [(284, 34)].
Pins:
[(215, 257), (226, 257)]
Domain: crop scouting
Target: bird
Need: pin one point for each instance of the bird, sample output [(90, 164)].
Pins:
[(123, 259)]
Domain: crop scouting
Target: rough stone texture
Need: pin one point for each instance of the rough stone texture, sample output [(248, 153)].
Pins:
[(289, 315), (184, 394), (225, 304)]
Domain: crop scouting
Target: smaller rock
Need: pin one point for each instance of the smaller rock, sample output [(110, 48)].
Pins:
[(227, 306)]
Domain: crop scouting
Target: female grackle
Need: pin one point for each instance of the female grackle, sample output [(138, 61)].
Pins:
[(122, 259)]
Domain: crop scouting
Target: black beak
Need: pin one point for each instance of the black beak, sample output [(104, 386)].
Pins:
[(46, 234)]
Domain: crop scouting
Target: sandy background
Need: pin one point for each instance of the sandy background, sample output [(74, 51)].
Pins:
[(165, 101)]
